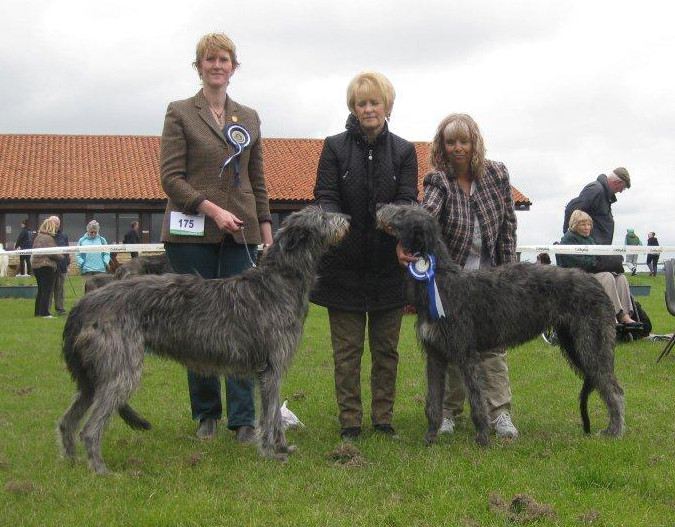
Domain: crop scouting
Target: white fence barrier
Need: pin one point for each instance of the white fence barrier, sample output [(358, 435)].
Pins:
[(597, 249), (550, 249)]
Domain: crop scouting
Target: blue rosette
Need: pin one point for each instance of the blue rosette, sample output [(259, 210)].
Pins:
[(239, 138), (423, 270)]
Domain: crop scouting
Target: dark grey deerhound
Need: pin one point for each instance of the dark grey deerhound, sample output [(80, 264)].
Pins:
[(150, 264), (248, 324), (502, 307)]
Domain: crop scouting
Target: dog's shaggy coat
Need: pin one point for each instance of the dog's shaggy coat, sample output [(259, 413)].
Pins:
[(502, 307), (151, 264), (244, 325)]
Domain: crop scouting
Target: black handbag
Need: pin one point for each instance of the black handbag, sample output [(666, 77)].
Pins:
[(608, 263)]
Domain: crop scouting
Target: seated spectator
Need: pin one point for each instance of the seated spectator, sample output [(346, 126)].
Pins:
[(614, 284), (543, 258)]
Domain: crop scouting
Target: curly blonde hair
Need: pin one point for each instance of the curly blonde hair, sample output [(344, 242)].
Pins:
[(458, 126)]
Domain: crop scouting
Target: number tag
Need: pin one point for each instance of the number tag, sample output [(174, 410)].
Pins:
[(186, 225)]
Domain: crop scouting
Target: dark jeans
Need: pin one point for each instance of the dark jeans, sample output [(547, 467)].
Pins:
[(24, 264), (216, 261), (45, 281)]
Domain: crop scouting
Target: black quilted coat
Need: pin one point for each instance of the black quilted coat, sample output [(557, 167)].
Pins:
[(362, 273)]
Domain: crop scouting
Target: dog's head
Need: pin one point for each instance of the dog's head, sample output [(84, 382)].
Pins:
[(416, 229), (311, 226)]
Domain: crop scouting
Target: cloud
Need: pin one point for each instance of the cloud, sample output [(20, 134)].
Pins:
[(562, 91)]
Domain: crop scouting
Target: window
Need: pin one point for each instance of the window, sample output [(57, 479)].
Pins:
[(124, 220), (73, 225), (278, 218), (108, 223), (156, 220), (13, 228)]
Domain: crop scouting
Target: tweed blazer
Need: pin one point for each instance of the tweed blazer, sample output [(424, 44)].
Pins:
[(193, 149), (491, 203)]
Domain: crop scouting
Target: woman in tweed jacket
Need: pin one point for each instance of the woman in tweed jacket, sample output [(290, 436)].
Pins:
[(231, 199), (471, 197)]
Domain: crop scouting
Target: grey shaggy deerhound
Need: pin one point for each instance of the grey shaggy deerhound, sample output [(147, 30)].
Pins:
[(244, 325), (506, 306), (151, 264)]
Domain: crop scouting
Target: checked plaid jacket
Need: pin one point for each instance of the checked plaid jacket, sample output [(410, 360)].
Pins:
[(491, 203)]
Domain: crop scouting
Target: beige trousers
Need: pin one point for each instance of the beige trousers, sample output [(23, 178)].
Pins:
[(617, 289), (493, 376)]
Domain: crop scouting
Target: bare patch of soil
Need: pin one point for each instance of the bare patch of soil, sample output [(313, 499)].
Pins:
[(521, 508), (347, 455)]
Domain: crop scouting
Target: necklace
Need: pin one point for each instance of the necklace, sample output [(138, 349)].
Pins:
[(218, 116)]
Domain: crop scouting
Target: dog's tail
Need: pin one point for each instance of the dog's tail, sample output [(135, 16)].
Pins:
[(83, 374), (79, 371), (134, 420), (586, 390)]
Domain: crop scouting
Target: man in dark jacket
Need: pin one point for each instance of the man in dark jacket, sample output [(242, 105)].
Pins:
[(24, 241), (61, 240), (132, 237), (360, 281), (596, 200)]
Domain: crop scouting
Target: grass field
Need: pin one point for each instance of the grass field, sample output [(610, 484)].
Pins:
[(551, 475)]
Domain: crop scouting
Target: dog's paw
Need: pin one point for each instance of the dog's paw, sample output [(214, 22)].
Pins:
[(287, 449), (269, 453), (99, 469), (610, 432), (278, 456), (430, 439), (483, 440)]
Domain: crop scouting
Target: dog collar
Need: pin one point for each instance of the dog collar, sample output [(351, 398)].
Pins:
[(423, 269)]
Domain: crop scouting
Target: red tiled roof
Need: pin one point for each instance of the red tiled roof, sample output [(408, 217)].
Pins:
[(79, 167), (105, 167)]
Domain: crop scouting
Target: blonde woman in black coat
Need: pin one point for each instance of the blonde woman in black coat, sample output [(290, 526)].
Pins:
[(360, 281)]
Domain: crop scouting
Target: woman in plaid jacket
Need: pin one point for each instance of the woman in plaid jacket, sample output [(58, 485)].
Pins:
[(471, 198)]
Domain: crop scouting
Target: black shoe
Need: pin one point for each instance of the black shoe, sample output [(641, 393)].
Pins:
[(385, 429), (245, 434), (207, 428), (61, 313), (350, 432)]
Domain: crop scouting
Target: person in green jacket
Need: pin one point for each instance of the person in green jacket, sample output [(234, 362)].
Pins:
[(614, 284), (631, 259)]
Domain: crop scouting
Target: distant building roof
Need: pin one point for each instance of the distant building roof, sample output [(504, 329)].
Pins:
[(117, 168)]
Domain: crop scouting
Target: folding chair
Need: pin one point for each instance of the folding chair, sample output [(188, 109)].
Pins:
[(670, 303)]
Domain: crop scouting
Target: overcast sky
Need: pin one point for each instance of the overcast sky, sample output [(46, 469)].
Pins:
[(562, 90)]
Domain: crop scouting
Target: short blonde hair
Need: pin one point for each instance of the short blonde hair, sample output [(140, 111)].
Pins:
[(577, 217), (215, 41), (48, 227), (369, 83), (458, 125)]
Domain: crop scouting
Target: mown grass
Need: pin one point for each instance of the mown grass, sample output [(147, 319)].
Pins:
[(166, 477)]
